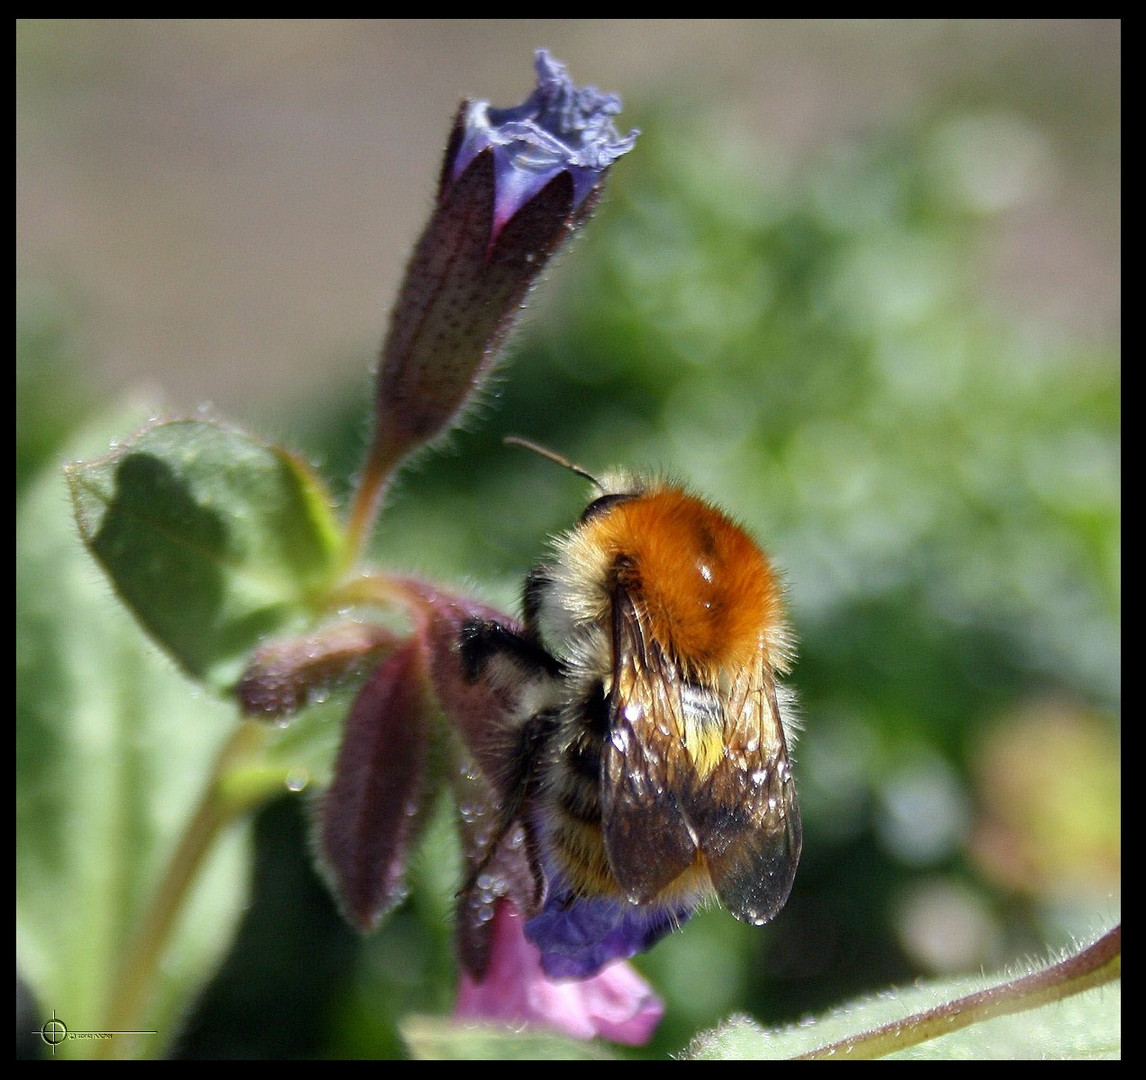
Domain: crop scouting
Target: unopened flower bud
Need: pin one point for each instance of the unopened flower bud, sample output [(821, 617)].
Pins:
[(515, 183)]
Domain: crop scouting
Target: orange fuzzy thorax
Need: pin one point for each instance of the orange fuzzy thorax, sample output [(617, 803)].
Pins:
[(708, 593)]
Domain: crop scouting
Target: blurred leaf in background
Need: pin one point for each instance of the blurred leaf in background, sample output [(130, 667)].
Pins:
[(112, 748)]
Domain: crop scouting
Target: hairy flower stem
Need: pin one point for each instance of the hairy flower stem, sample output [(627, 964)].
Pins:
[(372, 484), (1094, 966), (132, 992)]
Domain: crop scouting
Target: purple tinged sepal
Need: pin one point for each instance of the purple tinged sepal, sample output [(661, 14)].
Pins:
[(373, 810), (284, 677), (495, 862)]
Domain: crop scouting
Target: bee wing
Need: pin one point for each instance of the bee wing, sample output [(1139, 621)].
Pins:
[(648, 840), (688, 768), (745, 811)]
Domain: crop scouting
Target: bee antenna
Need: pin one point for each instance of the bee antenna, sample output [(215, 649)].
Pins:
[(552, 455)]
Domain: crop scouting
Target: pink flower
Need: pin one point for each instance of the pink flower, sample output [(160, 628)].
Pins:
[(616, 1004)]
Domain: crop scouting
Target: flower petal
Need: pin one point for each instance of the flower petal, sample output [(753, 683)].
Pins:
[(616, 1004), (578, 936), (558, 128)]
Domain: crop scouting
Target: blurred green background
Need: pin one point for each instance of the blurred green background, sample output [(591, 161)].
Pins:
[(859, 283)]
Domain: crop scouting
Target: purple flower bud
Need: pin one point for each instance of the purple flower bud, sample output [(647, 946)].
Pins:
[(515, 183)]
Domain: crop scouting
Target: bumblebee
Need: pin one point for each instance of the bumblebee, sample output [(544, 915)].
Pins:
[(645, 749)]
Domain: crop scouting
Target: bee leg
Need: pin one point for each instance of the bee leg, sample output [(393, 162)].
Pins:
[(536, 869), (532, 856), (483, 864), (518, 786), (533, 739), (518, 666), (537, 584), (490, 650)]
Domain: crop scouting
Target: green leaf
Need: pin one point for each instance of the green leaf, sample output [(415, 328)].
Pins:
[(1086, 1026), (213, 539), (113, 747), (434, 1039)]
